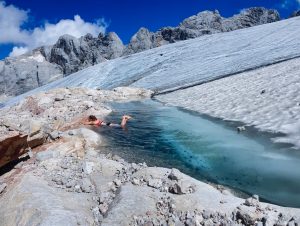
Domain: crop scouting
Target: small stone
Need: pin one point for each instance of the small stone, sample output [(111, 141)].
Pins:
[(103, 208), (251, 202), (241, 128), (207, 214), (208, 222), (88, 167), (256, 197), (135, 181), (155, 183), (198, 220), (59, 98), (249, 215), (117, 182), (259, 223), (181, 188), (225, 192), (44, 155), (175, 174), (97, 216), (55, 135), (86, 185), (175, 189), (70, 184), (2, 187), (113, 188), (77, 188)]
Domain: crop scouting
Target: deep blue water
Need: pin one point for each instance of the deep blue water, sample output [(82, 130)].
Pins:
[(206, 149)]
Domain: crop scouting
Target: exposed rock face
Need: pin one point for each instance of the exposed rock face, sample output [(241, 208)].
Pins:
[(73, 54), (21, 74), (204, 23), (296, 13)]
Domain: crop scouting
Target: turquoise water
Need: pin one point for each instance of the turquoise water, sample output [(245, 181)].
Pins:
[(206, 149)]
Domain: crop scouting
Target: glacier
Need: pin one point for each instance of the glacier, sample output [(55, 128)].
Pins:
[(177, 68)]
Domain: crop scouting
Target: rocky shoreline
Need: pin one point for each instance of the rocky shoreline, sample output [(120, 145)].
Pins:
[(68, 181)]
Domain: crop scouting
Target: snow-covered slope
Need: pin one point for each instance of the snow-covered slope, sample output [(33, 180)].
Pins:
[(267, 98), (194, 61), (197, 61)]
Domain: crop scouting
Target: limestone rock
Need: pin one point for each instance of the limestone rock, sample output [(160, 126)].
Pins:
[(295, 13), (141, 41), (12, 145), (175, 174), (26, 72), (48, 154), (249, 215), (155, 183), (204, 23), (73, 54), (2, 187), (252, 201)]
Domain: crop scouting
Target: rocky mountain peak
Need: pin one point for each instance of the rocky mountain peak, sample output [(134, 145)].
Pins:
[(140, 41), (203, 20), (251, 17), (295, 13)]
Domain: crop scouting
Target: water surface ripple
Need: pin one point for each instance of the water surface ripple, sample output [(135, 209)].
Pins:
[(206, 149)]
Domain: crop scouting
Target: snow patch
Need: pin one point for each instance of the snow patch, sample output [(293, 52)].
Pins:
[(38, 58)]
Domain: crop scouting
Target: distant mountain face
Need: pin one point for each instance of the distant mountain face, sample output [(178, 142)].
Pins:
[(70, 54), (296, 13)]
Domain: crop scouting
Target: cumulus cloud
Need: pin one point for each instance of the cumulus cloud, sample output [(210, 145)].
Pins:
[(17, 51), (12, 19)]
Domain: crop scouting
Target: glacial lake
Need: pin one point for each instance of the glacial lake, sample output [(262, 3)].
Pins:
[(206, 149)]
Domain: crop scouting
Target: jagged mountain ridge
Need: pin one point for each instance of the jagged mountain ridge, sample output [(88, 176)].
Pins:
[(69, 54)]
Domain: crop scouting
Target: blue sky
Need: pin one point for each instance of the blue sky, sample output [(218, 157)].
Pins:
[(27, 24)]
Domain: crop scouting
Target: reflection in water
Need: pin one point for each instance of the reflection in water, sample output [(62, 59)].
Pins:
[(206, 149)]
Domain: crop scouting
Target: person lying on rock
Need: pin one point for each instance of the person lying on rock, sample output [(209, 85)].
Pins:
[(92, 120)]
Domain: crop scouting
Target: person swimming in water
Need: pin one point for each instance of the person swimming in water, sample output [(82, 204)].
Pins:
[(93, 120)]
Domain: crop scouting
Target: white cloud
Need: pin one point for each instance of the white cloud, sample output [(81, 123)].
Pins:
[(11, 32), (11, 20), (77, 27), (17, 51)]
